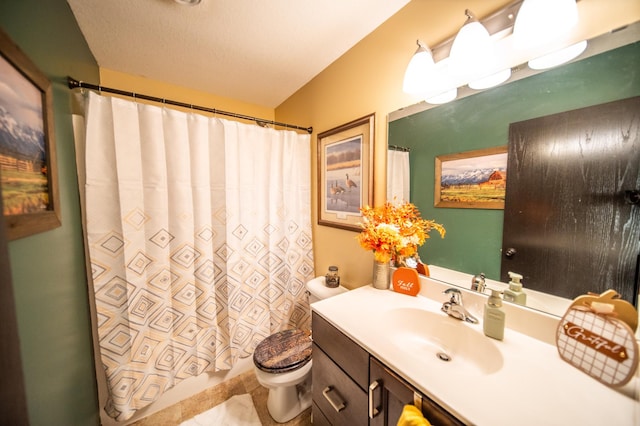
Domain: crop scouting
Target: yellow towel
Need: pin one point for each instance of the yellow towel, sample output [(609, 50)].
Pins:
[(412, 416)]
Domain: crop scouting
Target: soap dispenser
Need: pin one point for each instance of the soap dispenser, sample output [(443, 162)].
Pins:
[(493, 323), (514, 293)]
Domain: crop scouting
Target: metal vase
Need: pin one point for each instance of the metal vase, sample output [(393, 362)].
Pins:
[(381, 275)]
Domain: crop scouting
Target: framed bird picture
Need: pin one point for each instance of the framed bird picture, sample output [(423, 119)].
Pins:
[(345, 173)]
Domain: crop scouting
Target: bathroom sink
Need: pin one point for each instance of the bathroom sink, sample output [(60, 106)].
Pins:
[(438, 339)]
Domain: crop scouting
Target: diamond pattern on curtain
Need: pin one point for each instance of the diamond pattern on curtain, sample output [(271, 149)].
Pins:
[(199, 239)]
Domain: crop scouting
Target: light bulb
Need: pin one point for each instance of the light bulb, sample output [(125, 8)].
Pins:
[(540, 22), (558, 57), (415, 77), (443, 98), (491, 80), (471, 52)]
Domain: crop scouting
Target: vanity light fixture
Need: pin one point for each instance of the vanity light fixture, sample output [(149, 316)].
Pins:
[(420, 66), (547, 23), (543, 21), (437, 85), (473, 57), (470, 47), (482, 54), (443, 98), (491, 80), (424, 78), (558, 57)]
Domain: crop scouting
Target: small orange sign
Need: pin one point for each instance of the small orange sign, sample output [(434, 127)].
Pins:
[(407, 281), (422, 269)]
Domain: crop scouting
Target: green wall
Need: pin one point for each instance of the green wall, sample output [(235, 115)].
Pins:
[(48, 269), (474, 237)]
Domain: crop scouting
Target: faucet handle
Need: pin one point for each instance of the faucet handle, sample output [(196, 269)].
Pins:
[(477, 282), (455, 295), (454, 306)]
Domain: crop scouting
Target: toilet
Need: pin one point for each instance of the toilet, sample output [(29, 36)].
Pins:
[(282, 362)]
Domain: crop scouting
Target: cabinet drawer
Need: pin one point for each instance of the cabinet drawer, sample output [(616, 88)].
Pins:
[(342, 350), (340, 399)]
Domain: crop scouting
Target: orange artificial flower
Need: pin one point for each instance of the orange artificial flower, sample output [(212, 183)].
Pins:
[(392, 231)]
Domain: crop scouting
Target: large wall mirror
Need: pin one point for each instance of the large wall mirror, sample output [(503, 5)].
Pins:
[(608, 71)]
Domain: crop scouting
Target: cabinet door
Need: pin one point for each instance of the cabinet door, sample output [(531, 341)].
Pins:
[(388, 394), (339, 399)]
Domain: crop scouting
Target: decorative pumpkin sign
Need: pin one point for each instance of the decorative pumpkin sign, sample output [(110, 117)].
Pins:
[(624, 310), (407, 281), (594, 337)]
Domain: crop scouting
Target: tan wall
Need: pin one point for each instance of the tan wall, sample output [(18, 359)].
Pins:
[(368, 79), (137, 84)]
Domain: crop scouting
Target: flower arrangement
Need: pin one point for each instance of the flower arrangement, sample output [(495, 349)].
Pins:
[(394, 231)]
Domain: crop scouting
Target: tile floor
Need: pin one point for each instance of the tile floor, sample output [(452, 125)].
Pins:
[(244, 383)]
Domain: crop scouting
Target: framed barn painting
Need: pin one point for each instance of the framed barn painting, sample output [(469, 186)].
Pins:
[(28, 174), (345, 173), (471, 180)]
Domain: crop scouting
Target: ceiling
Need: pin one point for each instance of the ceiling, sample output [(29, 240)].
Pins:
[(255, 51)]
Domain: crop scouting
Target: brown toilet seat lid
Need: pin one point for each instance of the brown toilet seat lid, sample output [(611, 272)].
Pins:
[(283, 351)]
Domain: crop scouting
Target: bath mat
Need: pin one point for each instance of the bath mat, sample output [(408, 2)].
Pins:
[(235, 411)]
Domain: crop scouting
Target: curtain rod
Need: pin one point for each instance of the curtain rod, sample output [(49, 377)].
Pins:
[(399, 148), (74, 84)]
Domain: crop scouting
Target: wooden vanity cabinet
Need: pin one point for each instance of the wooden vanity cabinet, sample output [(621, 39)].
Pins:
[(390, 393), (352, 388), (339, 377)]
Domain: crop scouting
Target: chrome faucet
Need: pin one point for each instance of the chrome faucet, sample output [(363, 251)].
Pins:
[(454, 307), (477, 282)]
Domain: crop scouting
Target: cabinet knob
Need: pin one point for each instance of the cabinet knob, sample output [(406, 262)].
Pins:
[(510, 252)]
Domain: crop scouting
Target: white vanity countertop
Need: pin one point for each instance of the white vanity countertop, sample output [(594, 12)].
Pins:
[(533, 386)]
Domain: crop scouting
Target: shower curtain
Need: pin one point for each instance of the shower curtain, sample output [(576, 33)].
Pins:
[(397, 176), (199, 242)]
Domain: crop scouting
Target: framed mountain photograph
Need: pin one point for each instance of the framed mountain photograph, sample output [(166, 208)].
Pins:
[(472, 180), (28, 175)]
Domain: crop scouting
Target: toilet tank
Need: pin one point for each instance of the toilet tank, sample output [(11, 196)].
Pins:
[(319, 291)]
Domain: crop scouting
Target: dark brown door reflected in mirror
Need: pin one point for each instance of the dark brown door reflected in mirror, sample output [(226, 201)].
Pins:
[(569, 223)]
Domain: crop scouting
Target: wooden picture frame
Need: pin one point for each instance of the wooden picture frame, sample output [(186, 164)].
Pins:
[(345, 173), (471, 180), (28, 169)]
